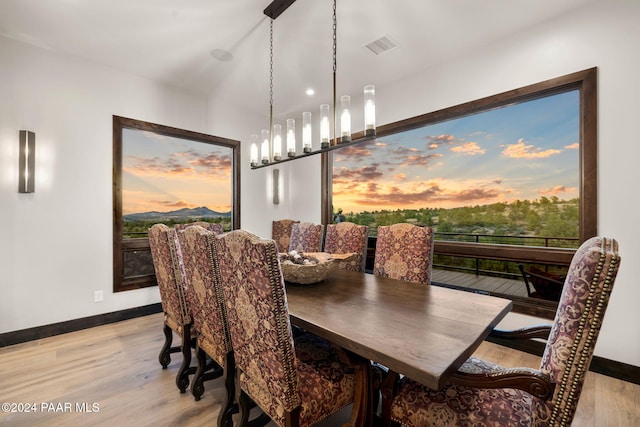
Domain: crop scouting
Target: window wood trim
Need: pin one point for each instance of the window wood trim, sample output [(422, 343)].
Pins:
[(120, 245), (586, 82)]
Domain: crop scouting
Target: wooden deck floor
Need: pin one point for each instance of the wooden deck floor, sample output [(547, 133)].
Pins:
[(482, 283)]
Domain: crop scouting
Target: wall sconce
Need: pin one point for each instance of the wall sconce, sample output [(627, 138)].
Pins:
[(276, 186), (27, 162)]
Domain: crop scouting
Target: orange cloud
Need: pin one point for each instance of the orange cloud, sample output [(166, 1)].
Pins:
[(434, 195), (434, 142), (364, 174), (186, 163), (520, 150), (357, 151), (177, 204), (420, 159), (468, 149), (574, 146), (558, 189)]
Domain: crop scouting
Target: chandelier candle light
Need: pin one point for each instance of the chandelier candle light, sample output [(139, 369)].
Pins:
[(291, 137), (264, 151), (306, 132), (277, 143), (345, 119), (369, 110), (324, 126), (271, 140), (254, 150)]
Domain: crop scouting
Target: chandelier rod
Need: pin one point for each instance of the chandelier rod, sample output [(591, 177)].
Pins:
[(335, 49), (271, 89)]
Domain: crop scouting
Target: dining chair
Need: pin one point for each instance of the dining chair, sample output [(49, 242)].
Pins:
[(306, 237), (204, 294), (482, 393), (177, 315), (405, 252), (545, 285), (281, 233), (347, 237), (211, 226), (296, 379)]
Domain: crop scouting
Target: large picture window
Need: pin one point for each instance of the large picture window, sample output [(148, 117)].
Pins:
[(171, 176), (504, 181)]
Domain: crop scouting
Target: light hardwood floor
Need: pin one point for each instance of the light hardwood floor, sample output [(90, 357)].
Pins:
[(110, 376)]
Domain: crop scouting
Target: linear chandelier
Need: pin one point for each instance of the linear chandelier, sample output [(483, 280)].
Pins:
[(271, 140)]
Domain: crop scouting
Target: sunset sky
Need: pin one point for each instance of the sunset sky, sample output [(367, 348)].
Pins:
[(161, 173), (522, 151)]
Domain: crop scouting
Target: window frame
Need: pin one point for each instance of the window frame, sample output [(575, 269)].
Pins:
[(121, 245), (585, 82)]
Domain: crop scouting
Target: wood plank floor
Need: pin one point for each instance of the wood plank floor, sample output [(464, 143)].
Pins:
[(115, 367)]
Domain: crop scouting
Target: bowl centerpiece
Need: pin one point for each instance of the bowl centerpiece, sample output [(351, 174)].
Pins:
[(306, 268)]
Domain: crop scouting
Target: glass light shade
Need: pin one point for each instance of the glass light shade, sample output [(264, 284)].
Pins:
[(277, 142), (253, 139), (324, 126), (369, 110), (306, 132), (345, 119), (264, 150), (291, 137)]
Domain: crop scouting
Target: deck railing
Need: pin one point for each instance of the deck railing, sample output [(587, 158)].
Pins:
[(489, 265)]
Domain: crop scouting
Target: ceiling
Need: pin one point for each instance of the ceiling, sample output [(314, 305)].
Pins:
[(171, 40)]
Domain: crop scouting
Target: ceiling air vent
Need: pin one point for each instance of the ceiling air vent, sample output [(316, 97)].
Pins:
[(381, 45)]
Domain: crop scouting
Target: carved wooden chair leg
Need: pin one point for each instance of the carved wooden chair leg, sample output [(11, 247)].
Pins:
[(244, 405), (165, 353), (197, 385), (182, 379), (228, 407)]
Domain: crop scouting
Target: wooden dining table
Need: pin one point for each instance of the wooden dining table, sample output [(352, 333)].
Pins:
[(421, 331)]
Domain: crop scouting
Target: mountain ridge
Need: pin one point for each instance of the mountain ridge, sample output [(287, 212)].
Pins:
[(183, 213)]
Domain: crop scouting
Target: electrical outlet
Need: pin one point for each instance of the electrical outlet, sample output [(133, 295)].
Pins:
[(98, 296)]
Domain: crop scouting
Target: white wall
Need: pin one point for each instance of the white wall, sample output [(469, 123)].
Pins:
[(605, 35), (56, 243)]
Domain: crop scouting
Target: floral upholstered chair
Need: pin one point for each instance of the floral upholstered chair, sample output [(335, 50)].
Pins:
[(484, 394), (306, 237), (177, 315), (211, 226), (204, 295), (296, 382), (404, 252), (281, 233), (347, 237)]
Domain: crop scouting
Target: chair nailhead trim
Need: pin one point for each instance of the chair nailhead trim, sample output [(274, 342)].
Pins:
[(565, 411)]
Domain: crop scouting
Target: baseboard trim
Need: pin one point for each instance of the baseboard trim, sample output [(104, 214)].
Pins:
[(600, 365), (39, 332)]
